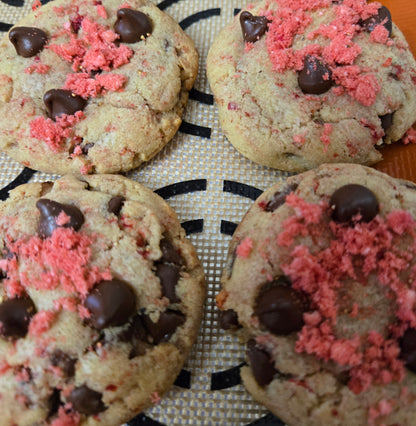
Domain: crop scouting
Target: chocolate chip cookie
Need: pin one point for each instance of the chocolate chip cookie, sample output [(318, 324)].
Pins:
[(101, 298), (93, 87), (300, 83), (320, 283)]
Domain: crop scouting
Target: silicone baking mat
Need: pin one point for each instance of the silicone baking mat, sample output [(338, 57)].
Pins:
[(210, 186)]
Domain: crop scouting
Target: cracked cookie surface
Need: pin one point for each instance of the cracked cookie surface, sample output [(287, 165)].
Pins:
[(320, 283), (92, 87), (300, 83), (101, 299)]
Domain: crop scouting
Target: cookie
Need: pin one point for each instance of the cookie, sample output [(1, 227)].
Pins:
[(93, 87), (101, 300), (320, 284), (302, 83)]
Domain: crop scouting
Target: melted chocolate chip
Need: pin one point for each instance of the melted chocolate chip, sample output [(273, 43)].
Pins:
[(132, 25), (15, 316), (383, 17), (163, 329), (64, 362), (169, 277), (49, 212), (229, 320), (253, 27), (60, 101), (279, 308), (54, 402), (315, 77), (349, 200), (28, 41), (169, 253), (408, 349), (115, 205), (279, 197), (261, 364), (386, 121), (111, 303), (86, 401)]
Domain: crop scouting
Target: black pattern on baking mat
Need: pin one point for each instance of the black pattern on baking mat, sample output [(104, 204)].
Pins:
[(183, 187), (22, 178), (242, 189)]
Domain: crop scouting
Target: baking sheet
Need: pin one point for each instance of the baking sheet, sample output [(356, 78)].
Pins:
[(210, 185)]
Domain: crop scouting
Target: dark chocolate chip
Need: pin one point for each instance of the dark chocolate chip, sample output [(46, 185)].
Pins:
[(50, 210), (229, 320), (279, 308), (253, 27), (86, 401), (408, 349), (60, 101), (132, 25), (169, 276), (279, 197), (85, 148), (28, 41), (163, 329), (386, 121), (115, 205), (111, 303), (261, 364), (54, 402), (15, 316), (382, 17), (169, 253), (315, 77), (64, 362), (350, 200)]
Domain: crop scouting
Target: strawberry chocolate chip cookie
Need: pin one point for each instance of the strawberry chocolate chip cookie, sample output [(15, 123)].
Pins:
[(299, 83), (93, 87), (320, 282)]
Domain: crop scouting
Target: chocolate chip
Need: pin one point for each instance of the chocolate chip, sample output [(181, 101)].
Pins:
[(253, 27), (350, 200), (111, 303), (163, 329), (115, 205), (261, 364), (169, 253), (382, 17), (86, 401), (315, 77), (50, 210), (85, 148), (132, 25), (60, 101), (64, 362), (229, 320), (279, 197), (408, 349), (169, 277), (279, 308), (54, 402), (386, 121), (28, 41), (15, 316)]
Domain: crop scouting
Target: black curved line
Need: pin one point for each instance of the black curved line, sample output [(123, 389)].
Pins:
[(23, 177), (182, 188), (142, 419), (4, 26), (204, 98), (166, 3), (15, 3), (184, 379), (236, 11), (203, 14), (228, 228), (193, 129), (242, 189), (267, 420), (193, 226), (227, 378)]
